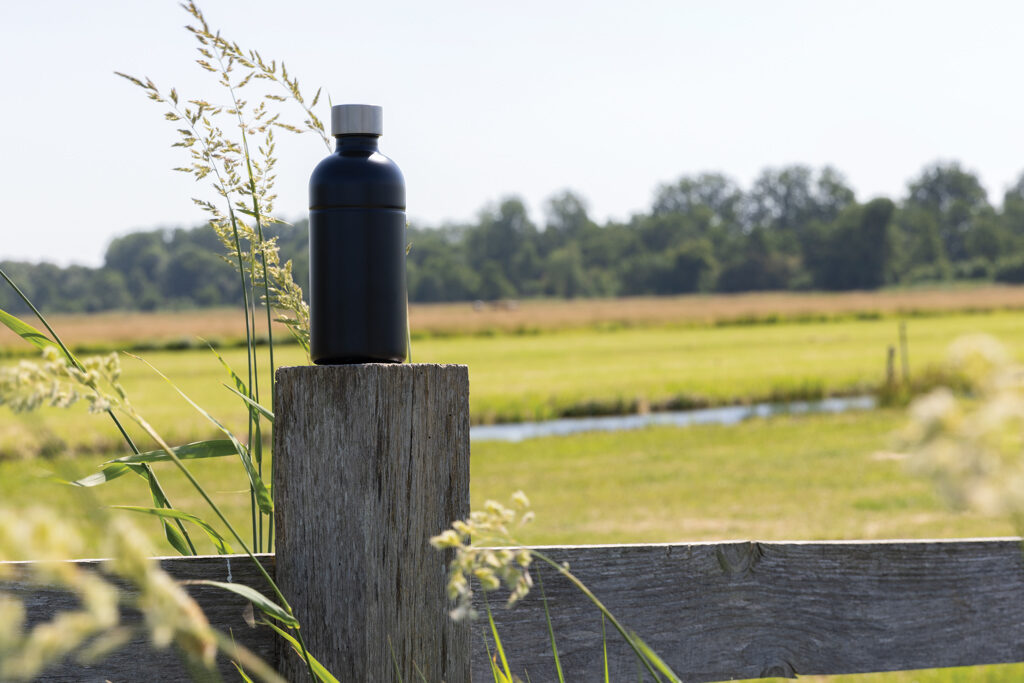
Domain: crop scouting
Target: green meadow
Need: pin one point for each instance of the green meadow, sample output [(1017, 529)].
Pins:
[(539, 376), (789, 477)]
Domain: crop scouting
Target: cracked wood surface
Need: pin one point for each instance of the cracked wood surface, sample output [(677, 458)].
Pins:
[(714, 611), (717, 611), (370, 461), (138, 660)]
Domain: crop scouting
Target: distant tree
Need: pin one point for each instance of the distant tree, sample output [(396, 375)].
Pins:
[(1012, 215), (988, 237), (759, 266), (142, 259), (788, 199), (110, 292), (436, 265), (918, 242), (505, 237), (493, 283), (198, 277), (566, 220), (564, 275), (954, 198), (715, 191), (1010, 269), (854, 250)]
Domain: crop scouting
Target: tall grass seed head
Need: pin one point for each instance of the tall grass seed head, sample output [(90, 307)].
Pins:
[(973, 447), (474, 558)]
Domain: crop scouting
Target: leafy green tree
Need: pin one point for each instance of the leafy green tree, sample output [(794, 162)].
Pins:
[(717, 192), (564, 275), (918, 242), (955, 200), (567, 220), (854, 251), (506, 238), (493, 283), (787, 200), (759, 266)]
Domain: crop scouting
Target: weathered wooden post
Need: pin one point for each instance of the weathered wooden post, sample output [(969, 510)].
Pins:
[(369, 462)]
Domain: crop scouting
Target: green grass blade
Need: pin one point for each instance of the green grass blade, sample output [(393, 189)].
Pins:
[(108, 473), (394, 661), (604, 649), (176, 540), (497, 641), (26, 331), (551, 630), (241, 390), (166, 513), (214, 448), (259, 600), (239, 382), (241, 672), (653, 658), (604, 610), (493, 661), (263, 499), (177, 537), (252, 405), (319, 669)]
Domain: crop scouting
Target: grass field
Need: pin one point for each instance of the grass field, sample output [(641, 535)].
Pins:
[(540, 376), (790, 477), (809, 477)]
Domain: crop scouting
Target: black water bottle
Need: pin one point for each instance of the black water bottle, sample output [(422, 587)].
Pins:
[(357, 294)]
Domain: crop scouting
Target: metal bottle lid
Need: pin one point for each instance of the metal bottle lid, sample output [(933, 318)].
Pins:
[(357, 119)]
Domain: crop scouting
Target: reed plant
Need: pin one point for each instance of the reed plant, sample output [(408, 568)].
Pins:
[(231, 146), (487, 554)]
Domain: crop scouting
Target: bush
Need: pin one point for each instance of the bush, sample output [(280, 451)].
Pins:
[(930, 272), (975, 269), (1010, 269)]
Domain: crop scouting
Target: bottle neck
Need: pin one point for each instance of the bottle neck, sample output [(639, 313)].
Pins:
[(355, 144)]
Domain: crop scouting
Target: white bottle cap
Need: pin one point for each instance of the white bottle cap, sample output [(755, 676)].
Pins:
[(357, 119)]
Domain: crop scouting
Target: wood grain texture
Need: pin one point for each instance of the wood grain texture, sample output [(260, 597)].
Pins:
[(715, 611), (138, 660), (370, 461), (746, 610)]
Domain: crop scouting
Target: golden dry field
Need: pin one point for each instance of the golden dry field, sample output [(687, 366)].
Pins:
[(119, 329), (545, 315)]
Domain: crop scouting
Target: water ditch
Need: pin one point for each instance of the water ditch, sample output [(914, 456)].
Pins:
[(725, 415)]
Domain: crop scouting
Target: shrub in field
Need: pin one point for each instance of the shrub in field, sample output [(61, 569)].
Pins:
[(1010, 269), (975, 269)]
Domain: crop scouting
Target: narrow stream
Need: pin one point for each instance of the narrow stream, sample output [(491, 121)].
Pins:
[(726, 415)]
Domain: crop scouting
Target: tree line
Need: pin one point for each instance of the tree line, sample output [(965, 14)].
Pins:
[(794, 228)]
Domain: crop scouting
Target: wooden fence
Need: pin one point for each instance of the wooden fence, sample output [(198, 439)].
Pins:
[(361, 483)]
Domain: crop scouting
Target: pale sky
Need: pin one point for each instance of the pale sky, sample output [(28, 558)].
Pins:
[(484, 99)]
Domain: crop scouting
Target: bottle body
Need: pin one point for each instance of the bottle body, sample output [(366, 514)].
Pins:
[(357, 286)]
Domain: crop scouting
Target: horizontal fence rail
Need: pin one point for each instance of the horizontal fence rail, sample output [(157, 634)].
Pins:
[(717, 611), (713, 611), (138, 660)]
